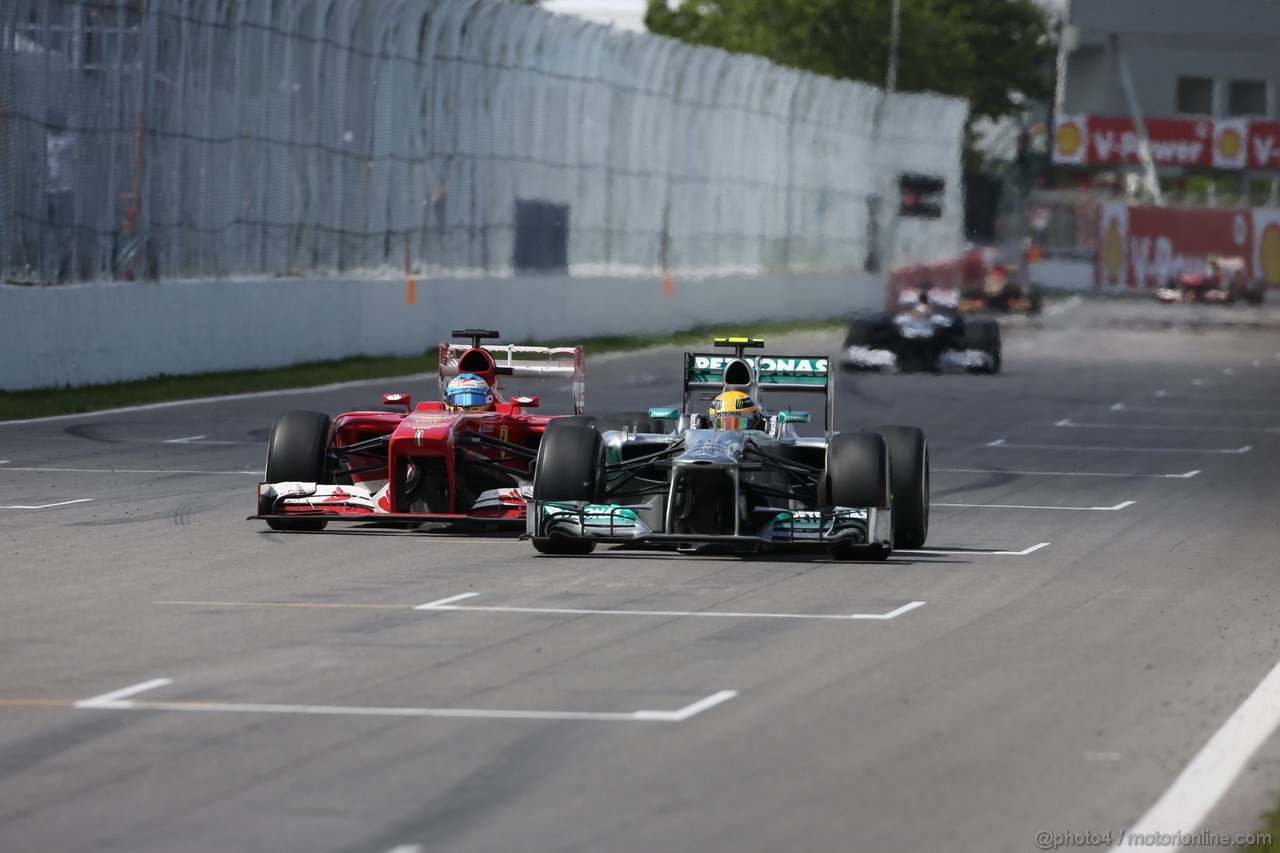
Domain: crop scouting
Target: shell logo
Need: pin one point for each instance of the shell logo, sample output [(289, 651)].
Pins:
[(1113, 252), (1269, 254), (1068, 140), (1229, 143)]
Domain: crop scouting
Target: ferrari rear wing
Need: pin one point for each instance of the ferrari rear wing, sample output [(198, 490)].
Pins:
[(521, 362)]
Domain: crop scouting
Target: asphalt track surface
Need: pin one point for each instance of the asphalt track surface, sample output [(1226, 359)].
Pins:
[(176, 678)]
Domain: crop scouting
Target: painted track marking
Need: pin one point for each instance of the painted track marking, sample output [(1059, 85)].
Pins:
[(977, 552), (1206, 397), (1067, 422), (447, 605), (573, 611), (117, 701), (1125, 407), (1204, 781), (1000, 442), (47, 506), (125, 471), (117, 696), (1185, 476), (1115, 508)]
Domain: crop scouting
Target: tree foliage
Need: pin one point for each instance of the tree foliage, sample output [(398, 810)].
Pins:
[(993, 52)]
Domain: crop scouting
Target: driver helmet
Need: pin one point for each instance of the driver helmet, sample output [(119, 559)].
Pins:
[(734, 410), (467, 392)]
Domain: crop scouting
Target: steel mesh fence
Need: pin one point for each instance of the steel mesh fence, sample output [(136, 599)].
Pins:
[(216, 138)]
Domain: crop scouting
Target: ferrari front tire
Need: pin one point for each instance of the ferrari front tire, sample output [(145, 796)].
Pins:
[(296, 452)]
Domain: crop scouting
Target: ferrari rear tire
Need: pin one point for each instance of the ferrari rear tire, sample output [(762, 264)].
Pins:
[(857, 475), (909, 480), (569, 467), (984, 335), (296, 452)]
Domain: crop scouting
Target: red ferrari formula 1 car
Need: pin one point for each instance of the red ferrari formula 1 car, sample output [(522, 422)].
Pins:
[(467, 459)]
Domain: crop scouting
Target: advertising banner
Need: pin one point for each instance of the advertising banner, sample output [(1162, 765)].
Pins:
[(1112, 259), (1224, 143), (1146, 247), (1174, 142), (1264, 145), (1266, 245)]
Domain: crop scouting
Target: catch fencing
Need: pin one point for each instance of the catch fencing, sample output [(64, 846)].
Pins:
[(233, 138)]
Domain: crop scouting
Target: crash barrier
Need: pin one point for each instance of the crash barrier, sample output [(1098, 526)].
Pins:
[(114, 332), (210, 139), (1144, 247)]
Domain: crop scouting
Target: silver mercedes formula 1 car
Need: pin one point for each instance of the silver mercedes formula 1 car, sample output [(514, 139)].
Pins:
[(737, 478)]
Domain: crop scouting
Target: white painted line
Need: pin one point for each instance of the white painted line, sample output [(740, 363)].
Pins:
[(443, 604), (4, 461), (1226, 397), (1054, 310), (47, 506), (112, 702), (1123, 407), (184, 440), (1067, 422), (257, 473), (1237, 450), (999, 442), (978, 552), (1187, 476), (688, 711), (1115, 508), (116, 696), (406, 848), (283, 392), (434, 605), (200, 440), (892, 613), (1207, 778)]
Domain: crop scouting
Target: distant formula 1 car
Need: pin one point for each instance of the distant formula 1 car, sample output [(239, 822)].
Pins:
[(738, 478), (1221, 282), (927, 334), (431, 462)]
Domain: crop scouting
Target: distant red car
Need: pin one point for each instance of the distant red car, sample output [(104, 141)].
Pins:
[(426, 463), (1222, 281)]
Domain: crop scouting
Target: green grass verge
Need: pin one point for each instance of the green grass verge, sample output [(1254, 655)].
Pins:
[(43, 402)]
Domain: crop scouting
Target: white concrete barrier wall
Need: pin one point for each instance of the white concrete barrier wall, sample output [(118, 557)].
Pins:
[(98, 333), (1061, 274)]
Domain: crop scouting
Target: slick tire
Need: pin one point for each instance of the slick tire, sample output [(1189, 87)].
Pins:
[(984, 335), (569, 467), (296, 451), (909, 480), (857, 475)]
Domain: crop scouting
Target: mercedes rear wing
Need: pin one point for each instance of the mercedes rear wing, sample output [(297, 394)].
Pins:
[(759, 373)]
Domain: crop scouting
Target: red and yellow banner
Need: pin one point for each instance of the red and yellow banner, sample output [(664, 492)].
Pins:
[(1144, 247), (1223, 143)]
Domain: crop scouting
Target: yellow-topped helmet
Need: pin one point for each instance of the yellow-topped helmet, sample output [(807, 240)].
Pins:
[(734, 410)]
